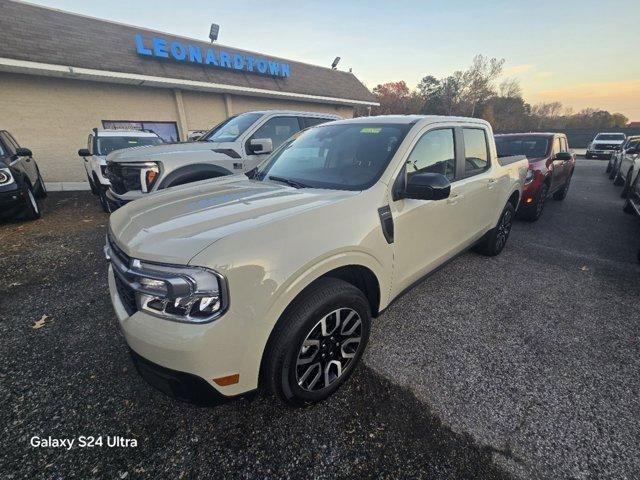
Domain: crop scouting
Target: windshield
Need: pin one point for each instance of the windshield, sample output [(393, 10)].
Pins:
[(350, 156), (610, 136), (231, 128), (106, 145), (532, 146)]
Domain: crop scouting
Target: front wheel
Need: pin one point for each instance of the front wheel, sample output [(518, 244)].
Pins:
[(627, 185), (32, 207), (609, 167), (318, 342), (588, 156), (495, 240), (617, 180)]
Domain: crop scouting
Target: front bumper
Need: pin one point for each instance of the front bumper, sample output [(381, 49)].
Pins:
[(602, 153), (183, 359), (11, 202), (117, 201)]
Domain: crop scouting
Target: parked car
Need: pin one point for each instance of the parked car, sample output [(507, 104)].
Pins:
[(627, 167), (224, 285), (236, 145), (605, 145), (100, 144), (632, 200), (614, 162), (21, 185), (551, 165)]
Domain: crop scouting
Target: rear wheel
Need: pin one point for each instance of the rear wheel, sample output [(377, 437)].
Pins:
[(562, 193), (495, 240), (32, 206), (104, 202), (318, 342), (627, 184), (617, 180)]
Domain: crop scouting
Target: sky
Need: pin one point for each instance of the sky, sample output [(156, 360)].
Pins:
[(579, 52)]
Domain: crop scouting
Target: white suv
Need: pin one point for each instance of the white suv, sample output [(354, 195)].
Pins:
[(101, 143), (237, 145)]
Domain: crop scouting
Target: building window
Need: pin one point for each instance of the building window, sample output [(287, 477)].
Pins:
[(168, 131)]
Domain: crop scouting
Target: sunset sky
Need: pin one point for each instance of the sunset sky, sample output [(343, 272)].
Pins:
[(581, 53)]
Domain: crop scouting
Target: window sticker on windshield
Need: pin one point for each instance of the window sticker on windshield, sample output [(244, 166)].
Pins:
[(133, 141), (371, 130)]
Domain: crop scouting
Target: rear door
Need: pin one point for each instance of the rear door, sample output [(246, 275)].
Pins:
[(557, 166), (476, 191)]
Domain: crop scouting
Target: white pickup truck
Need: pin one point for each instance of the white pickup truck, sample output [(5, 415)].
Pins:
[(236, 145), (227, 285)]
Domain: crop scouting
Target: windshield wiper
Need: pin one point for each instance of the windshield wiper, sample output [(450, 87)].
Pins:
[(288, 181)]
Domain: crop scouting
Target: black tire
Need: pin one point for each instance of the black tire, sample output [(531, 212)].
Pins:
[(562, 193), (494, 241), (41, 189), (618, 181), (32, 209), (627, 207), (92, 185), (532, 213), (282, 373), (613, 173), (104, 202), (609, 166), (627, 185), (588, 156)]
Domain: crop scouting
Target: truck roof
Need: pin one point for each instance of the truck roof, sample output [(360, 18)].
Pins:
[(411, 119), (124, 133), (295, 112), (538, 134)]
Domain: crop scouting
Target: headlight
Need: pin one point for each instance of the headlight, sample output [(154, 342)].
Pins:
[(181, 293), (148, 176), (187, 294), (5, 176), (529, 177)]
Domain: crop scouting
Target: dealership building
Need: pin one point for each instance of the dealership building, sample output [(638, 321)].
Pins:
[(62, 74)]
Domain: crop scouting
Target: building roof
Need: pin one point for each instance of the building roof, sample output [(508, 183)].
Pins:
[(45, 41)]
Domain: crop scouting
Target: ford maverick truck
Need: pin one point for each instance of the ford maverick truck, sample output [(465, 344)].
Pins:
[(272, 279), (236, 145)]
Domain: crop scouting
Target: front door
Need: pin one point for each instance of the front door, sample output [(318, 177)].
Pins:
[(557, 172), (278, 129), (423, 230)]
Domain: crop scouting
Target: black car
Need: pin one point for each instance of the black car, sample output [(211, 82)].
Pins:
[(21, 185)]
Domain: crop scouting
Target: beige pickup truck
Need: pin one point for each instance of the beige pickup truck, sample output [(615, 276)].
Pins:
[(272, 279)]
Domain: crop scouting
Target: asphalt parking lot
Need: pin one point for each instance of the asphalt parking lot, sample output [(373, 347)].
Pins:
[(525, 365)]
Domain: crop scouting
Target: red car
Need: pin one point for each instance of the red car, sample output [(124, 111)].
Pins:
[(551, 165)]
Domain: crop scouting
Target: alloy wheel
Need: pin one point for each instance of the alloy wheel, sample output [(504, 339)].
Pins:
[(328, 349), (504, 228)]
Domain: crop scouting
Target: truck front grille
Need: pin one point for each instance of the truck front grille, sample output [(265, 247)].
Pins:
[(124, 178), (127, 294)]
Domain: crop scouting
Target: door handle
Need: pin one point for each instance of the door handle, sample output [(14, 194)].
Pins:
[(454, 199)]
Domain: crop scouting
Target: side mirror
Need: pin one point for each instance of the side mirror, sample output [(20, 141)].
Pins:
[(564, 156), (261, 145), (23, 152), (427, 186), (84, 152)]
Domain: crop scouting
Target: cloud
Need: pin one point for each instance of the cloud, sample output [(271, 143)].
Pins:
[(516, 69), (544, 74)]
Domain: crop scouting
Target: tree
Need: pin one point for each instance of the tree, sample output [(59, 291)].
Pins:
[(392, 97)]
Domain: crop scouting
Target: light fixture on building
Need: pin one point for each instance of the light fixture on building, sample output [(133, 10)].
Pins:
[(213, 33), (334, 65)]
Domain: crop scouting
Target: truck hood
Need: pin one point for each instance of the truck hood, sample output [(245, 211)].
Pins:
[(155, 152), (173, 225), (607, 142)]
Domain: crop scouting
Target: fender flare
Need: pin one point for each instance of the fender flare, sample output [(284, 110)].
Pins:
[(184, 173)]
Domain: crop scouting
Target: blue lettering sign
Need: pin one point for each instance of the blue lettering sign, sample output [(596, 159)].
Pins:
[(195, 54), (182, 52), (140, 48), (178, 51), (211, 58), (160, 48)]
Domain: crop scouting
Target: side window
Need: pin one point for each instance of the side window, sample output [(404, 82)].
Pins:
[(313, 121), (556, 145), (278, 129), (476, 153), (11, 150), (563, 144), (434, 153)]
